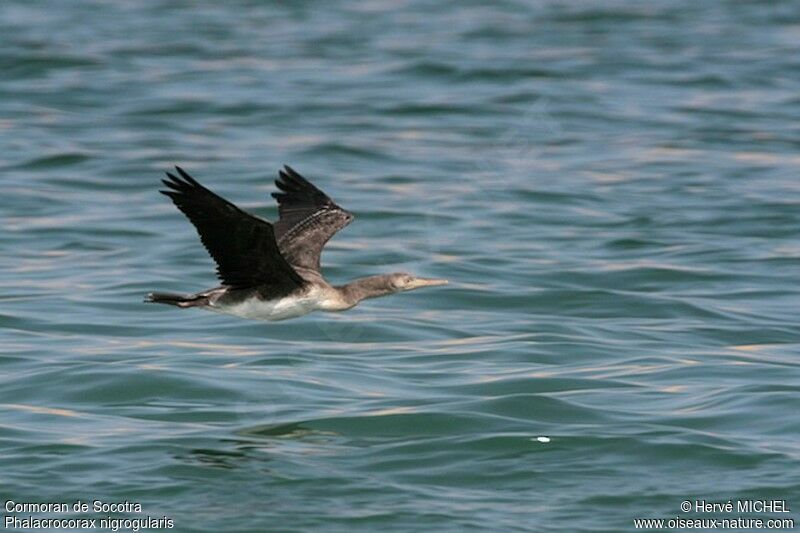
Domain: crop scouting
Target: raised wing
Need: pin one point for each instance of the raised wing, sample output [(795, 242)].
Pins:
[(243, 246), (308, 219)]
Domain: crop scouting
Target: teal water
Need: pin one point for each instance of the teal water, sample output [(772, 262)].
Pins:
[(612, 188)]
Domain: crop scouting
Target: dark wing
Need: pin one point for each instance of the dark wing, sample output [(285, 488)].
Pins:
[(308, 219), (242, 245)]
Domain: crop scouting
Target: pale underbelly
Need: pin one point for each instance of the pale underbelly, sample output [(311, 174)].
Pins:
[(256, 309)]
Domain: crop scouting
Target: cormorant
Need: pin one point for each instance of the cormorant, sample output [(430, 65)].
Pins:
[(272, 271)]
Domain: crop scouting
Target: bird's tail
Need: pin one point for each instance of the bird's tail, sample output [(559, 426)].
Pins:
[(178, 300)]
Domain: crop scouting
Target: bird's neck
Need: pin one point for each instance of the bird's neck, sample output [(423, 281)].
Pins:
[(364, 288)]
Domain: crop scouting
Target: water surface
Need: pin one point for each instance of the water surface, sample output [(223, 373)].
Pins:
[(611, 189)]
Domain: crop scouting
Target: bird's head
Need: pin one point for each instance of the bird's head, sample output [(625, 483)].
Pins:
[(375, 286), (400, 282)]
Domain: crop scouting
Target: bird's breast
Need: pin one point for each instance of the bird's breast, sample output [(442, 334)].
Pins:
[(276, 309), (256, 308)]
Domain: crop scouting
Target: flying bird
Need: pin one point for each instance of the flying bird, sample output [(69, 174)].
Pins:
[(272, 271)]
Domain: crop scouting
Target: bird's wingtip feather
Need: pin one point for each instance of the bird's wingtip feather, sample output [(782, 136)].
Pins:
[(185, 175)]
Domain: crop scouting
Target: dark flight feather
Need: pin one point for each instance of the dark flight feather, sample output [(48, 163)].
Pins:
[(308, 219), (242, 245)]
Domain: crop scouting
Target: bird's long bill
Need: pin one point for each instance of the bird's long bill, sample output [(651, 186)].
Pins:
[(423, 282)]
